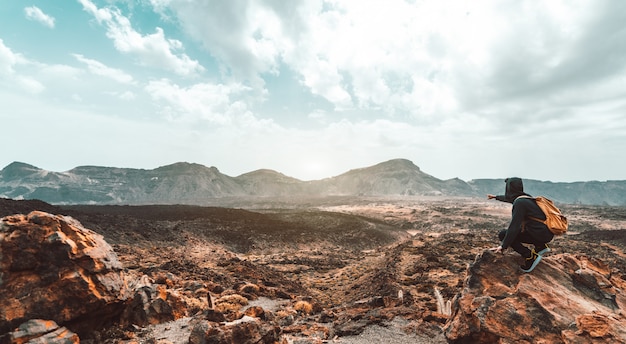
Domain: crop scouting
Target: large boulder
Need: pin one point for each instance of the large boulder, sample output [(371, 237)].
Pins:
[(567, 298), (53, 268), (41, 331)]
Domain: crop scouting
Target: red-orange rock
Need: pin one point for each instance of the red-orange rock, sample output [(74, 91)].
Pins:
[(153, 304), (247, 330), (51, 267), (597, 325), (42, 331), (255, 312), (566, 298)]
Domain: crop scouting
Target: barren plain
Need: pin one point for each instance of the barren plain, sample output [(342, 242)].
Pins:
[(338, 254)]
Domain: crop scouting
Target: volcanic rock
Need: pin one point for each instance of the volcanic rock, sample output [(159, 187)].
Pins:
[(567, 298), (51, 267), (41, 331), (153, 304), (246, 330)]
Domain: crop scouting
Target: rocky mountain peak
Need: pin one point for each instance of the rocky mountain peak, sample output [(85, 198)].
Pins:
[(90, 169), (398, 164), (395, 166), (17, 170), (266, 174), (186, 167)]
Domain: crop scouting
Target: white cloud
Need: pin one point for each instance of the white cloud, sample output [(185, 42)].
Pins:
[(30, 85), (354, 54), (246, 36), (324, 79), (34, 13), (57, 80), (425, 60), (8, 59), (8, 62), (469, 79), (127, 95), (99, 68), (215, 103), (152, 50), (60, 73)]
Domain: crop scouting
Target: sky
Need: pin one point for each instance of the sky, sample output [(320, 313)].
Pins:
[(314, 88)]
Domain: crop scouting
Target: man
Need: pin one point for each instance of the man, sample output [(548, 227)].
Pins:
[(522, 229)]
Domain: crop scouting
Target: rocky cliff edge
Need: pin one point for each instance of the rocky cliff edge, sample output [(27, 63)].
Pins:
[(568, 298)]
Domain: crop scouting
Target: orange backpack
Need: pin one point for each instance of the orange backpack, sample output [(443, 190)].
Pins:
[(555, 220)]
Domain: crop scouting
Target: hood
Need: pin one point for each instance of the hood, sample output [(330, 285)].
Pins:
[(514, 189)]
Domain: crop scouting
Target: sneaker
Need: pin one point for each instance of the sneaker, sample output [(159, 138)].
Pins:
[(531, 262), (543, 249)]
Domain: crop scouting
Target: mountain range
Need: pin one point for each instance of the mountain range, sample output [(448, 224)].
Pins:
[(189, 183)]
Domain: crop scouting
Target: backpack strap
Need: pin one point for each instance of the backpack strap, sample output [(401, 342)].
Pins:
[(530, 217)]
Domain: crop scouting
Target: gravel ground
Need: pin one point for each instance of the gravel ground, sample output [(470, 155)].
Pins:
[(177, 331), (392, 334), (266, 303)]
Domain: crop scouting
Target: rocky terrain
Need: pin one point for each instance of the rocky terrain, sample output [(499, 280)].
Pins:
[(186, 183), (340, 269)]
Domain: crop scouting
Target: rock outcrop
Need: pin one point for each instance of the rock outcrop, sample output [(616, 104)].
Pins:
[(566, 299), (41, 331), (152, 304), (53, 268)]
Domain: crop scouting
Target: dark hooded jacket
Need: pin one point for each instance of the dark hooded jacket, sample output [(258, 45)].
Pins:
[(523, 209), (514, 189)]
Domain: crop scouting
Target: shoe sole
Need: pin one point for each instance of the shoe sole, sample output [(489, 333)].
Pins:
[(532, 267), (544, 251)]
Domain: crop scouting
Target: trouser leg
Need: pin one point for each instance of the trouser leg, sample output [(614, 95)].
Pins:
[(516, 245)]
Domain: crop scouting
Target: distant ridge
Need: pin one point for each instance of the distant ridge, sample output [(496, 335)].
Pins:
[(190, 183), (17, 170), (393, 177)]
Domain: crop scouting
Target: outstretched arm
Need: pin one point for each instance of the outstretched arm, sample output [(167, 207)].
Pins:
[(500, 198)]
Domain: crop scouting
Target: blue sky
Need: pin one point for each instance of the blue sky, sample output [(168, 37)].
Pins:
[(314, 88)]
